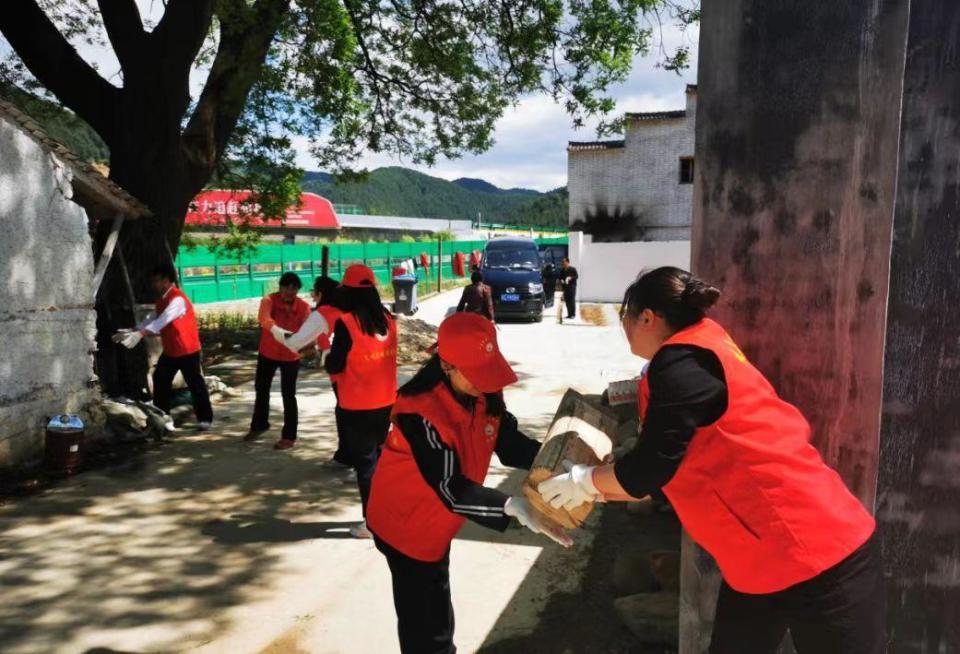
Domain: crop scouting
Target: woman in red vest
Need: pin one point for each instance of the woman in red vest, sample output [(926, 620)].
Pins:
[(363, 363), (281, 313), (317, 329), (796, 549), (176, 323), (447, 423)]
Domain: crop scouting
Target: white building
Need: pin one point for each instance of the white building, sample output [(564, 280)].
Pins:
[(631, 200), (48, 277)]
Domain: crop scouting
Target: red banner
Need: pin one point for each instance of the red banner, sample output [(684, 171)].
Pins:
[(214, 208)]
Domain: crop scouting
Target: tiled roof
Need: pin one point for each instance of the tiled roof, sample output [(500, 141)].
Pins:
[(583, 146), (656, 115), (87, 180)]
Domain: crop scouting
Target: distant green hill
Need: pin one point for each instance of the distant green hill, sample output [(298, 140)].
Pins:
[(60, 124), (395, 191)]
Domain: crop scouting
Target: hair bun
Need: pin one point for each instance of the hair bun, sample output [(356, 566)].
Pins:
[(698, 295)]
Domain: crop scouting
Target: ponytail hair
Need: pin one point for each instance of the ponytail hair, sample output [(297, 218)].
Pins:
[(675, 294)]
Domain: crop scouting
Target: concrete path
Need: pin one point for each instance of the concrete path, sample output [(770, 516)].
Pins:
[(207, 544)]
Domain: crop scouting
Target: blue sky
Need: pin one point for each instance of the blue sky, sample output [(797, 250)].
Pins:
[(531, 138)]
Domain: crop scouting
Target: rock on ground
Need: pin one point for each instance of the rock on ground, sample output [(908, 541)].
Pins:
[(632, 573), (651, 617)]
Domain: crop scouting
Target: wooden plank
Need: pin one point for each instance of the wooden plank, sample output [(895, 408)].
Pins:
[(580, 433)]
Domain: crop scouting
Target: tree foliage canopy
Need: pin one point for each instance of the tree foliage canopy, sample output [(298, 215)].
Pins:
[(419, 78)]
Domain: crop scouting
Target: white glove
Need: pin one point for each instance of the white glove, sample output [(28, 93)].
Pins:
[(131, 339), (280, 334), (519, 507), (120, 335), (570, 489)]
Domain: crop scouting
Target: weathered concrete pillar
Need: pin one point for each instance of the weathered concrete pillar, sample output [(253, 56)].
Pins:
[(828, 182), (918, 498)]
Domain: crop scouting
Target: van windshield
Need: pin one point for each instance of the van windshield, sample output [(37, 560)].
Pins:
[(512, 259)]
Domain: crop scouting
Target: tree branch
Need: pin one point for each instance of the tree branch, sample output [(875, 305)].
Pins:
[(245, 39), (121, 18), (56, 64), (181, 32)]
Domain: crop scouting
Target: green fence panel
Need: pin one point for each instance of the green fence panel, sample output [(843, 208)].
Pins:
[(207, 277)]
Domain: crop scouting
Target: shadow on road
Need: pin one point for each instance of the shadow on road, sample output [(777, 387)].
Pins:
[(166, 541)]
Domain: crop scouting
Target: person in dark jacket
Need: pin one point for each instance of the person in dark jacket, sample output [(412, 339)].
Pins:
[(448, 422), (549, 276), (568, 280), (797, 550), (477, 297)]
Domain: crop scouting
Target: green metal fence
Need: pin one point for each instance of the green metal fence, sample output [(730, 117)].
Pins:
[(208, 277)]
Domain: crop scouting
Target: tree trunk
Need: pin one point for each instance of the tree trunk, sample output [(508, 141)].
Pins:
[(147, 160)]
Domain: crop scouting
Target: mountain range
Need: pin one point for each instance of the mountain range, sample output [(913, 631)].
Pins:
[(396, 191), (390, 191)]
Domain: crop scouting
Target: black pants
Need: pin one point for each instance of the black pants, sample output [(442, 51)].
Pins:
[(266, 369), (189, 365), (570, 299), (421, 597), (549, 292), (840, 611), (341, 455), (362, 434)]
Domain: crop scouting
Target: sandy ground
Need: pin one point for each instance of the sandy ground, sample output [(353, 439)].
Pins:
[(208, 544)]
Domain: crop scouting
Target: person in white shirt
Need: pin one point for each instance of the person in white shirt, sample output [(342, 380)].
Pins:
[(176, 323)]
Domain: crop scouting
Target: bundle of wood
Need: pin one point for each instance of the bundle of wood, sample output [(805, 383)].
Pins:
[(582, 432)]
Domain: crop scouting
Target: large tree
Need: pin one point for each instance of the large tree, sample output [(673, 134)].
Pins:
[(422, 78)]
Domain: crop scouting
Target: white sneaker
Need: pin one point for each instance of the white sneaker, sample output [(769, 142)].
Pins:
[(360, 531), (203, 426)]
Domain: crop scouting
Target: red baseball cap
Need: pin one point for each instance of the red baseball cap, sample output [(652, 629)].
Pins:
[(468, 342), (358, 276)]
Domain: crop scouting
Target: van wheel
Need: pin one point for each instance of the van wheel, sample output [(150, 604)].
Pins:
[(539, 317)]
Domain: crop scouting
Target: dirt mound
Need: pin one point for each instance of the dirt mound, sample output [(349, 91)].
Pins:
[(414, 337)]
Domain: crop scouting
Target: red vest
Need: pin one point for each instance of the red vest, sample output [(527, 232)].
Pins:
[(752, 490), (182, 336), (331, 315), (370, 379), (403, 509), (288, 316)]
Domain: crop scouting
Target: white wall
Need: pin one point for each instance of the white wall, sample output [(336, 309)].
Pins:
[(640, 180), (606, 269), (47, 320)]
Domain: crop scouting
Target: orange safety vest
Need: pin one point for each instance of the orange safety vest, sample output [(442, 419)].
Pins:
[(182, 336), (403, 509), (288, 316), (331, 315), (752, 490), (369, 380)]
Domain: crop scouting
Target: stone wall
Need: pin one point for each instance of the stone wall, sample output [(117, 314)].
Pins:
[(634, 193), (46, 307)]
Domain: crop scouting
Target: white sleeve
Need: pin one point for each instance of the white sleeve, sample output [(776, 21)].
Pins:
[(176, 309), (146, 321), (308, 332)]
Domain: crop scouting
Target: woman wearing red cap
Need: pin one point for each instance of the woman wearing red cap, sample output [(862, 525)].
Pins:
[(447, 423), (317, 329), (363, 364), (796, 549)]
